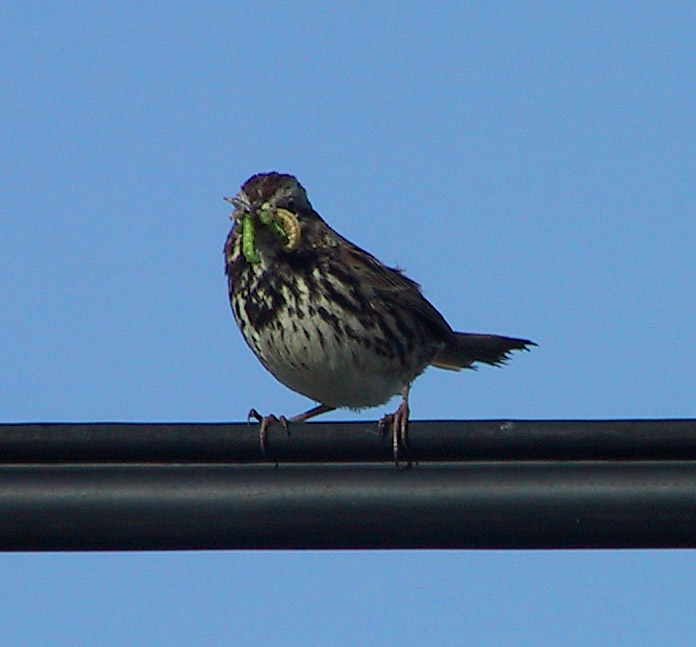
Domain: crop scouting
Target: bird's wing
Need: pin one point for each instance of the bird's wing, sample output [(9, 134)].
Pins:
[(392, 285)]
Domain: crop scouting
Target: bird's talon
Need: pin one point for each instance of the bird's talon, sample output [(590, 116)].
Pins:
[(264, 423), (397, 423)]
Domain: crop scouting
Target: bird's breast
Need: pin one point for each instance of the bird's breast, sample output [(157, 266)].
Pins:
[(316, 336)]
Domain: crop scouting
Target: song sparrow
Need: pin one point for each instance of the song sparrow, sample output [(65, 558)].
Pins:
[(327, 318)]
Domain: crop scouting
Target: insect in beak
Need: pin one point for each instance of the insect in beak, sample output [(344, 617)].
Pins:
[(282, 222), (291, 228)]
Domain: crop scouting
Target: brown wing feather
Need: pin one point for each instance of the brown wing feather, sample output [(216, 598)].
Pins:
[(392, 285)]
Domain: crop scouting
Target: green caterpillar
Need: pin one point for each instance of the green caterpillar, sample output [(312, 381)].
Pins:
[(248, 242), (284, 224)]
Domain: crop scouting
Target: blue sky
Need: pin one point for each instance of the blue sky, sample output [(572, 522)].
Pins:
[(531, 165)]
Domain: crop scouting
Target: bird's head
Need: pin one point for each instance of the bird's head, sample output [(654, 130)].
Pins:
[(270, 210)]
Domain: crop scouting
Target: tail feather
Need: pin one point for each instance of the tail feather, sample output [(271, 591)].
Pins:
[(465, 348)]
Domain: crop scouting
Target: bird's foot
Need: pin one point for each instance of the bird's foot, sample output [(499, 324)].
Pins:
[(397, 423), (264, 423)]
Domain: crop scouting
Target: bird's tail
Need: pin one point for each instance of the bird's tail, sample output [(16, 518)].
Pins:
[(466, 348)]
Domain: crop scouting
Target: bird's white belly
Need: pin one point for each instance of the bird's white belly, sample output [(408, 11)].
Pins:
[(327, 367)]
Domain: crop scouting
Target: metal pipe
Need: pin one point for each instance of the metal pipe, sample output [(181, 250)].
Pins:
[(476, 505), (349, 441)]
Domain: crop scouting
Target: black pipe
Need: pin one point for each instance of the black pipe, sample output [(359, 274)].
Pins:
[(349, 441), (479, 505)]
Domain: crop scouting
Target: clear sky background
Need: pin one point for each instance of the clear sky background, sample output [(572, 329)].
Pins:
[(533, 165)]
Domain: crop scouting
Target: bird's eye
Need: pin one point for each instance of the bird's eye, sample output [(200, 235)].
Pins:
[(290, 205)]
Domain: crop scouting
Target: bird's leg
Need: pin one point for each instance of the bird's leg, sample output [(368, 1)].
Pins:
[(314, 411), (267, 421), (398, 422)]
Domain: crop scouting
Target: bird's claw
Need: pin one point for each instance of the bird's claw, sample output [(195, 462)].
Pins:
[(264, 423), (397, 423)]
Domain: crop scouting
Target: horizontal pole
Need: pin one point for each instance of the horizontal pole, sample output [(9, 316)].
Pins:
[(477, 484), (479, 505), (454, 440)]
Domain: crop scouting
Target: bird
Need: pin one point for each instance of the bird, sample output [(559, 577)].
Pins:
[(328, 319)]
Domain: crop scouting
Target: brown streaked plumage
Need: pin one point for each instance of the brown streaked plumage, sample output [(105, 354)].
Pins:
[(332, 322)]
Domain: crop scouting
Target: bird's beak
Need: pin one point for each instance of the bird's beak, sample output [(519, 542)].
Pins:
[(241, 206)]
